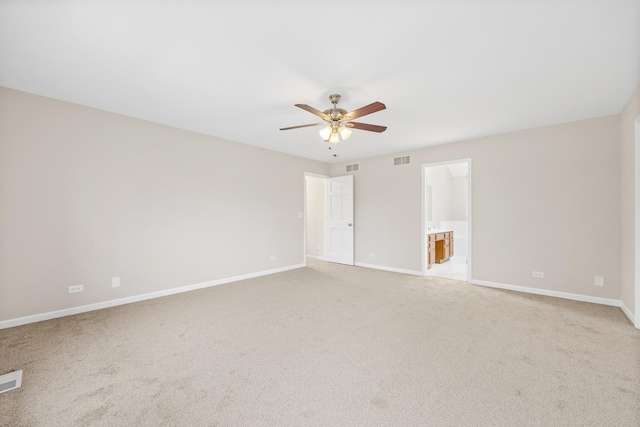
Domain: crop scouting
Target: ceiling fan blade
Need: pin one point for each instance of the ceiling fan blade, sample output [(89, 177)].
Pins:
[(303, 126), (367, 109), (365, 126), (312, 110)]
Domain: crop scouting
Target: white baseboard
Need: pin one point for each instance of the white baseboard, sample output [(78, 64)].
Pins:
[(319, 258), (392, 269), (127, 300), (628, 313), (565, 295)]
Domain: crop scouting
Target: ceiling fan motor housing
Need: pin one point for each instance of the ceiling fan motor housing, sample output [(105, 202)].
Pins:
[(336, 113)]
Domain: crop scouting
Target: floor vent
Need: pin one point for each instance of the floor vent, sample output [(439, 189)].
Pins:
[(10, 381), (353, 168), (404, 160)]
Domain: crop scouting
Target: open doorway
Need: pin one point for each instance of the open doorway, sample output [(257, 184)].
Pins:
[(447, 219), (329, 219), (315, 187)]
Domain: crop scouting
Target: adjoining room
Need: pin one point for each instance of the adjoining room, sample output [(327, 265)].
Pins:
[(447, 220)]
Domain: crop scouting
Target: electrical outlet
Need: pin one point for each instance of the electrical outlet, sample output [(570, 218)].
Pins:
[(273, 257), (300, 215), (372, 254), (115, 282), (538, 274), (598, 280), (76, 288)]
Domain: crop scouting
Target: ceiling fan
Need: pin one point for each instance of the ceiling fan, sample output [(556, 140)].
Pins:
[(337, 121)]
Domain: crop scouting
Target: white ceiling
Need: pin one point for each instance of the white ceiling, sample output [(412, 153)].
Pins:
[(447, 70)]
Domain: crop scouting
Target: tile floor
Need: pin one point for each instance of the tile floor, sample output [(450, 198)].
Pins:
[(455, 268)]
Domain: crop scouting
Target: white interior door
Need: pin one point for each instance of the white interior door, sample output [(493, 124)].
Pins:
[(339, 225)]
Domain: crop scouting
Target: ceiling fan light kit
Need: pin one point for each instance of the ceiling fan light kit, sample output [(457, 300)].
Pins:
[(337, 121), (326, 133), (345, 133), (334, 138), (330, 134)]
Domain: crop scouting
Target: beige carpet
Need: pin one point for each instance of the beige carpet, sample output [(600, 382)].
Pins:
[(329, 345)]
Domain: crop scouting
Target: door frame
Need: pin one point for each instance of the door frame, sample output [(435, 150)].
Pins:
[(636, 250), (304, 211), (469, 214)]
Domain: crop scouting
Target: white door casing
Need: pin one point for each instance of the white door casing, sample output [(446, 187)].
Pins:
[(636, 275), (339, 225)]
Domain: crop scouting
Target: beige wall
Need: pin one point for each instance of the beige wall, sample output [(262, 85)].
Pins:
[(315, 216), (545, 199), (627, 180), (86, 195)]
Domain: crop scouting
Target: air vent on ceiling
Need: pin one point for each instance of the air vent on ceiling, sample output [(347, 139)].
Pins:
[(10, 381), (353, 168), (404, 160)]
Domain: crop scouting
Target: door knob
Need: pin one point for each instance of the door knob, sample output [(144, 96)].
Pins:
[(349, 224)]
